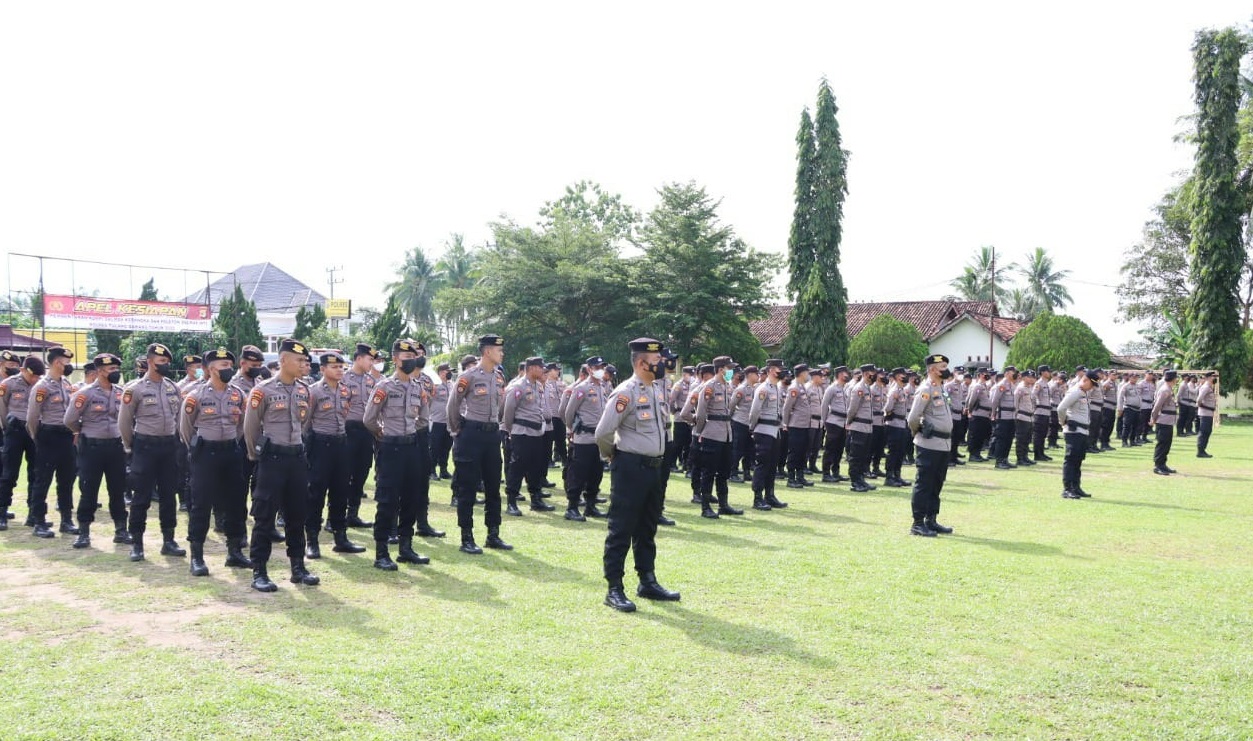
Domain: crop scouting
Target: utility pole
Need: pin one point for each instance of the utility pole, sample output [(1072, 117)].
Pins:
[(992, 319), (331, 281)]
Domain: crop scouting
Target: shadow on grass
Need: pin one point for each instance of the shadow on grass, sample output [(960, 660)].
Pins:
[(1098, 500), (528, 567), (732, 638), (1013, 546)]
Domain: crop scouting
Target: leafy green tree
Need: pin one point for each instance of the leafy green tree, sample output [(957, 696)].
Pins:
[(1043, 282), (113, 340), (1247, 381), (309, 321), (1155, 279), (389, 327), (1021, 304), (148, 292), (181, 344), (588, 203), (699, 283), (817, 326), (1218, 254), (1059, 342), (458, 269), (236, 322), (888, 343)]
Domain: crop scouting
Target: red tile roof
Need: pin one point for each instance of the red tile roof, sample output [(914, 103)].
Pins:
[(927, 316), (1004, 327), (11, 340)]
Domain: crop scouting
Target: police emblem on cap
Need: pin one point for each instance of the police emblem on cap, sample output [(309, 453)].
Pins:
[(933, 359), (491, 340), (161, 351)]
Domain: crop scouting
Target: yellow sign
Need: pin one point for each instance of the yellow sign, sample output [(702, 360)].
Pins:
[(338, 308)]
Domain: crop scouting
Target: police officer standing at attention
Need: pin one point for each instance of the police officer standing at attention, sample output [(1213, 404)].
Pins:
[(979, 414), (1003, 410), (1162, 417), (682, 429), (896, 408), (15, 395), (956, 386), (1206, 406), (360, 382), (148, 421), (211, 425), (476, 444), (713, 434), (1024, 411), (796, 419), (932, 424), (1129, 412), (632, 437), (441, 441), (1073, 417), (524, 417), (860, 428), (93, 417), (582, 414), (393, 416), (1042, 397), (834, 410), (45, 421), (764, 419), (328, 457), (278, 410), (741, 438)]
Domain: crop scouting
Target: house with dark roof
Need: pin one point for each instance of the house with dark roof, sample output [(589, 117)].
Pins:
[(275, 293), (966, 331)]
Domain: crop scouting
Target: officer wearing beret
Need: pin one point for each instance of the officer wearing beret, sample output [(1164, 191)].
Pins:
[(328, 456), (1024, 411), (441, 441), (15, 395), (796, 413), (1162, 418), (713, 436), (764, 421), (979, 415), (360, 382), (555, 436), (1129, 411), (931, 421), (10, 365), (631, 434), (45, 421), (741, 436), (860, 428), (92, 416), (694, 461), (581, 415), (278, 410), (1041, 396), (251, 370), (476, 444), (1073, 416), (834, 411), (896, 408), (1206, 408), (211, 426), (524, 417), (681, 440), (1003, 411)]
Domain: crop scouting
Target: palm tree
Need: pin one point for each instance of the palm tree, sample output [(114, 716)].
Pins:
[(1021, 304), (977, 280), (1043, 282), (415, 289), (458, 269)]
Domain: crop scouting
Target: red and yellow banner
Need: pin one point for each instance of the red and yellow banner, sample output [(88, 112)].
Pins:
[(74, 312)]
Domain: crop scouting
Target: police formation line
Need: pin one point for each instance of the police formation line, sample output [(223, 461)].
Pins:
[(299, 447)]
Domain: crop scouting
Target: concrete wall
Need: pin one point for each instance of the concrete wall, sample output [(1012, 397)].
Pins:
[(967, 342)]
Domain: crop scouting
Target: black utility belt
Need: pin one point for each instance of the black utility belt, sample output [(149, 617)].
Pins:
[(155, 439), (202, 444), (941, 435), (763, 421), (528, 424), (62, 429), (399, 439), (1077, 425), (470, 424), (99, 442), (354, 423), (328, 437), (284, 450), (717, 418), (647, 461)]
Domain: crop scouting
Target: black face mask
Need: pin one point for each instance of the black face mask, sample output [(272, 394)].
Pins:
[(658, 369), (946, 374), (12, 371), (165, 370), (408, 365), (114, 376), (67, 369), (254, 372), (226, 374), (421, 361)]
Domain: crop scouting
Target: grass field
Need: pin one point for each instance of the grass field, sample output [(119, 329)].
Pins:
[(1124, 616)]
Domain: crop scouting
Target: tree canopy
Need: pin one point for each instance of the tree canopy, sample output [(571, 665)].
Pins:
[(236, 322), (889, 343), (1057, 341)]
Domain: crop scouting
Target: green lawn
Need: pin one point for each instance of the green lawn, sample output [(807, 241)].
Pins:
[(1124, 616)]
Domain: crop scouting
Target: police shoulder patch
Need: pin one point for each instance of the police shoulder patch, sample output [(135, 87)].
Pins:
[(254, 400), (80, 401), (761, 394), (621, 404), (379, 396), (792, 393), (127, 395), (709, 392), (925, 396), (190, 405), (40, 395), (463, 383)]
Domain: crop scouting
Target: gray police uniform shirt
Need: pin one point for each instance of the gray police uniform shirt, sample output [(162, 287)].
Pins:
[(48, 404), (688, 411), (481, 392), (276, 412), (1206, 400), (526, 408), (552, 396), (395, 408), (878, 398), (765, 415), (1187, 395), (149, 408), (1024, 402), (1003, 400), (662, 390), (931, 405), (1128, 396), (835, 404), (741, 403), (583, 411), (633, 421), (360, 390), (713, 412), (439, 402), (1042, 398), (796, 407), (212, 415), (1074, 408), (896, 405), (860, 408), (1164, 409), (956, 390), (979, 401), (816, 391), (1109, 390), (93, 412), (678, 395), (14, 398), (328, 408), (1096, 401)]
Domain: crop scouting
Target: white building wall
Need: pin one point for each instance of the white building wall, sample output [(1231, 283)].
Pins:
[(967, 342)]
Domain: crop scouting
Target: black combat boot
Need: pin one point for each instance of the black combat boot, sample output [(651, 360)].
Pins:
[(169, 546), (426, 531), (793, 481), (198, 567), (261, 580), (725, 508), (494, 541), (312, 549), (759, 502), (650, 589), (43, 530), (235, 557), (67, 524), (300, 575), (573, 515), (137, 547), (383, 559), (937, 527), (592, 511), (84, 536), (920, 528), (617, 599), (467, 542), (707, 510), (539, 505), (120, 534), (511, 508), (406, 554), (344, 545), (774, 502)]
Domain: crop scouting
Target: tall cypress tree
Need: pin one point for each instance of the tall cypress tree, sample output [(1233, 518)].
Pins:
[(237, 321), (1217, 249), (817, 326)]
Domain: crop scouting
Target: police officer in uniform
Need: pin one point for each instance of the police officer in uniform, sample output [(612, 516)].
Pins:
[(148, 423), (979, 414), (393, 416), (581, 415), (360, 382), (796, 419), (631, 435), (1162, 417), (682, 439), (956, 386), (524, 418), (741, 437), (554, 388), (764, 420), (1129, 412), (476, 444), (860, 429), (1042, 401), (328, 457), (1073, 416), (1003, 411), (713, 435), (1206, 407), (211, 426), (896, 408), (45, 421), (1109, 406), (441, 441), (93, 417), (1024, 417), (834, 410), (274, 422), (15, 395), (1187, 406), (931, 421)]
